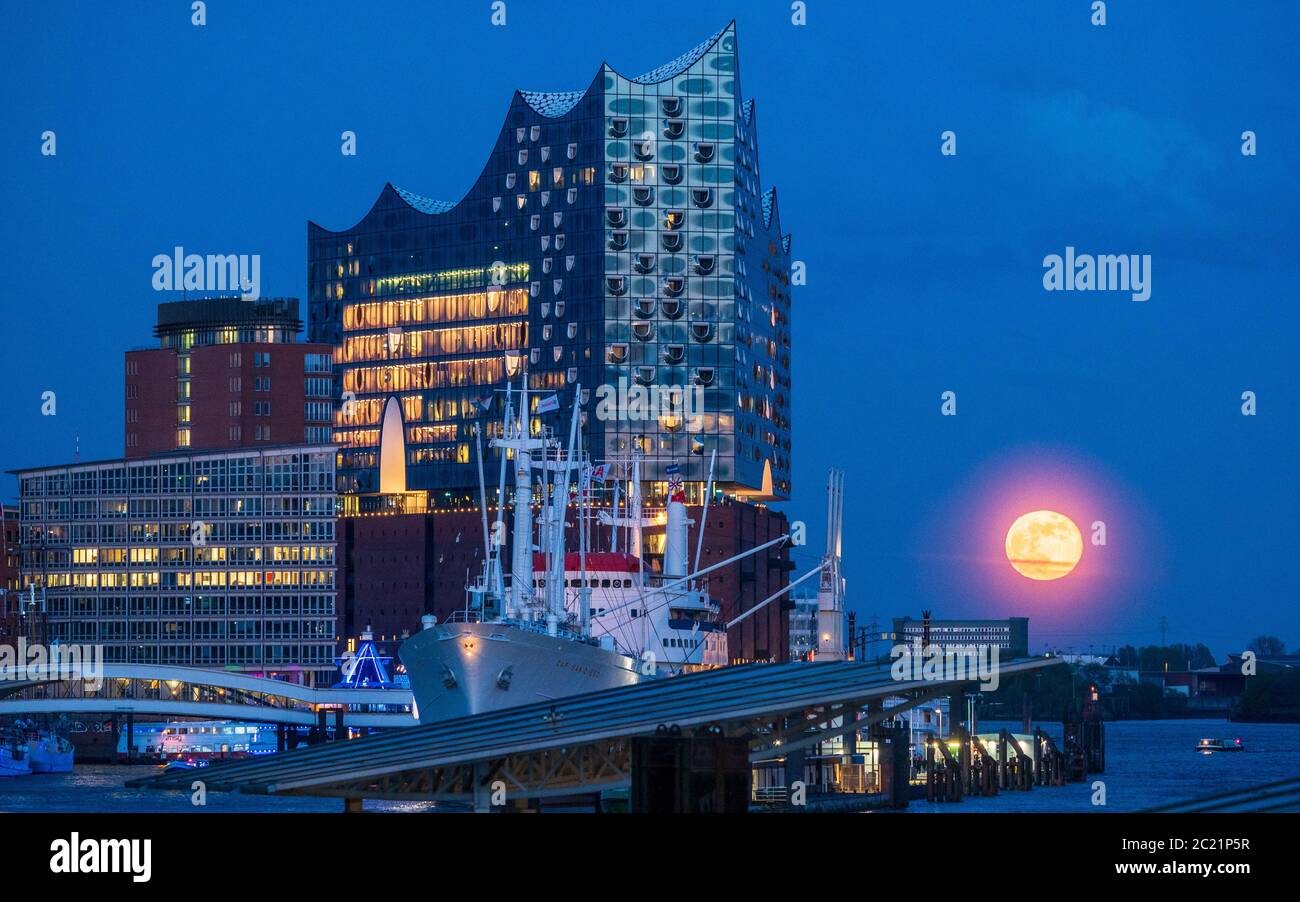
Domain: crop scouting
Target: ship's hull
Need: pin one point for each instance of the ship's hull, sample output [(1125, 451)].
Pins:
[(50, 756), (11, 766), (459, 669)]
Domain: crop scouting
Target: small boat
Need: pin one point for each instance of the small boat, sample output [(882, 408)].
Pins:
[(13, 760), (49, 753), (190, 764), (1209, 746)]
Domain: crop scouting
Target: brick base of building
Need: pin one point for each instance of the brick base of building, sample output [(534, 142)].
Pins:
[(395, 568)]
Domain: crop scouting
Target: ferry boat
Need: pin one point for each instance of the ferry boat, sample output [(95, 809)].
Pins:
[(1209, 746), (198, 740), (560, 622)]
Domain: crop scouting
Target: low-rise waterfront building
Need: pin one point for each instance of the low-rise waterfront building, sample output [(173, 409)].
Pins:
[(1010, 636), (195, 558), (803, 626)]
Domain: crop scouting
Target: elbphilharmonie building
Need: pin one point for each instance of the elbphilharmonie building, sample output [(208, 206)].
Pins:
[(617, 234)]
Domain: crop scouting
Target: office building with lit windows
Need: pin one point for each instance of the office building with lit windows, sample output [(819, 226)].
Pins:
[(228, 373), (10, 596), (1010, 636), (619, 234), (203, 559)]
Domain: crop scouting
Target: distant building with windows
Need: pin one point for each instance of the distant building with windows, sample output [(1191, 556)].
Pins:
[(8, 548), (10, 603), (803, 626), (228, 373), (203, 559), (618, 235), (1011, 636)]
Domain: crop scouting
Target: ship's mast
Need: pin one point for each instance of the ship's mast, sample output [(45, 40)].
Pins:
[(613, 529), (498, 578), (633, 519), (557, 510), (523, 444), (544, 543), (584, 510), (704, 512), (634, 502), (482, 498)]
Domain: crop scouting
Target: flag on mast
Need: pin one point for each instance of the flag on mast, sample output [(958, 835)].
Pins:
[(676, 492), (548, 404)]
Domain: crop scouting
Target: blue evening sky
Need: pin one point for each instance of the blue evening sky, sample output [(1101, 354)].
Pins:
[(924, 271)]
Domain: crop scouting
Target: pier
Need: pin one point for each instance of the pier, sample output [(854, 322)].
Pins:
[(607, 742)]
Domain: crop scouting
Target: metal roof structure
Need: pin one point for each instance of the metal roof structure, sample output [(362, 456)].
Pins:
[(582, 743), (1278, 796)]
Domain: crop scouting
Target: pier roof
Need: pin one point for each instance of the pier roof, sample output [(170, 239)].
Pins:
[(582, 739)]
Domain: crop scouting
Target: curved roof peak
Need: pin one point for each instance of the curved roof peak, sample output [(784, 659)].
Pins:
[(422, 203), (769, 204), (685, 61), (553, 104)]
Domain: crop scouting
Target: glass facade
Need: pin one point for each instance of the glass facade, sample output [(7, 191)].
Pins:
[(201, 559), (618, 237)]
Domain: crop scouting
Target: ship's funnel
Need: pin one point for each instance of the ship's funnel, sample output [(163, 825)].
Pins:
[(675, 540)]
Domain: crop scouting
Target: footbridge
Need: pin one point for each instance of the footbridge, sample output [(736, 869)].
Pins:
[(155, 690), (582, 744)]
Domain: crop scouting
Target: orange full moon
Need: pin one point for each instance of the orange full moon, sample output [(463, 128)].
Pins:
[(1044, 545)]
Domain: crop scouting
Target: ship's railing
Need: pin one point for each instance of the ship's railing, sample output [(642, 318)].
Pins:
[(771, 795), (563, 630), (464, 616), (540, 627)]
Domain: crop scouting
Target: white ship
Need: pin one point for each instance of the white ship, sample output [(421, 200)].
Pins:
[(562, 623), (50, 753), (29, 750)]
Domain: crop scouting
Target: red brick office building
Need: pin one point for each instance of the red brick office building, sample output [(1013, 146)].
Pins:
[(228, 373)]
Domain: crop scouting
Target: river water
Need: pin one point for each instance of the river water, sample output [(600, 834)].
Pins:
[(1153, 762), (1148, 763)]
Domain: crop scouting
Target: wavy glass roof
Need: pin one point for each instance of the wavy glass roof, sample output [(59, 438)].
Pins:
[(552, 103), (424, 204), (769, 201), (679, 65)]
